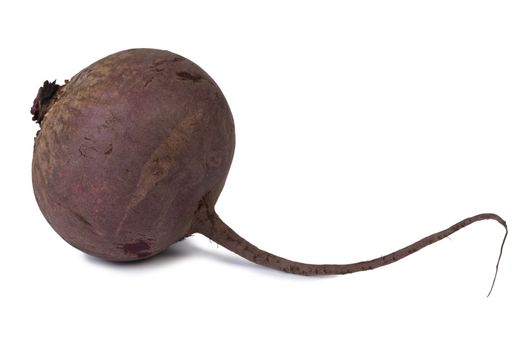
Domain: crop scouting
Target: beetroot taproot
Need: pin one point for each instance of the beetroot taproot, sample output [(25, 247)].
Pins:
[(131, 157)]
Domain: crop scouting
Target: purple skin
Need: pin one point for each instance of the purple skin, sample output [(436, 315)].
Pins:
[(126, 151), (133, 153)]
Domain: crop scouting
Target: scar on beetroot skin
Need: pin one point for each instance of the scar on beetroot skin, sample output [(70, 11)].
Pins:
[(189, 76), (140, 248)]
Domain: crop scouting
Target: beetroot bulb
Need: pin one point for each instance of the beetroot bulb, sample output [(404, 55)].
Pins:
[(132, 154)]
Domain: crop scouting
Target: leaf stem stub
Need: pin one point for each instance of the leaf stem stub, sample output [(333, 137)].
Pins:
[(42, 101)]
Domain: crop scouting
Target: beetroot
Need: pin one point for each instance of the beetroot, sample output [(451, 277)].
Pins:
[(133, 153)]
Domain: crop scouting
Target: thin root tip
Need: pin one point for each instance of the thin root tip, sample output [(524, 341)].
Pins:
[(501, 253)]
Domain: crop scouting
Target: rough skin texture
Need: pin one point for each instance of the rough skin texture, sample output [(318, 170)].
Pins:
[(126, 151)]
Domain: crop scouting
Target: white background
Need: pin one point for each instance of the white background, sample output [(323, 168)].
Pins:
[(361, 127)]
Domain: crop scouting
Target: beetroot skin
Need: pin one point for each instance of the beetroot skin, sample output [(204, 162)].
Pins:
[(133, 153)]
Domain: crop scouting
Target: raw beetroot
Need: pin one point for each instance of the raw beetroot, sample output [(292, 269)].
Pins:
[(133, 153), (127, 150)]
